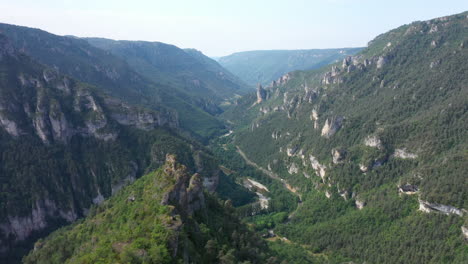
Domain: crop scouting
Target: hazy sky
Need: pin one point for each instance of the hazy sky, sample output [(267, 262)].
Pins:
[(219, 27)]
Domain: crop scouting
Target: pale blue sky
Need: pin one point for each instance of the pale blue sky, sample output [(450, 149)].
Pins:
[(218, 27)]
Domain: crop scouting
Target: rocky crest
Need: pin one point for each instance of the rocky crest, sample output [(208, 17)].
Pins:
[(261, 94), (187, 191)]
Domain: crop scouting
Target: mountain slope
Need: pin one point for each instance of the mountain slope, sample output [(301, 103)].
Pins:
[(164, 217), (66, 145), (77, 58), (376, 144), (265, 66), (196, 76)]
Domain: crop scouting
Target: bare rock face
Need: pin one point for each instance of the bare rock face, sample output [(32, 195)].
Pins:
[(428, 207), (283, 79), (21, 227), (465, 232), (338, 155), (291, 151), (408, 189), (187, 192), (403, 154), (320, 169), (9, 125), (363, 167), (346, 62), (373, 142), (315, 117), (332, 125), (360, 204), (381, 61), (261, 94), (293, 169)]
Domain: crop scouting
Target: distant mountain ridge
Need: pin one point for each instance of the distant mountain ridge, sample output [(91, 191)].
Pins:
[(195, 76), (264, 66), (114, 75)]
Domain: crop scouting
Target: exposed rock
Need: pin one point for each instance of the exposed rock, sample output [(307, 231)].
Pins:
[(334, 71), (381, 61), (21, 227), (332, 125), (314, 117), (293, 169), (261, 94), (283, 79), (346, 61), (319, 168), (254, 185), (292, 151), (263, 200), (187, 191), (373, 141), (465, 232), (435, 63), (275, 135), (327, 194), (360, 204), (344, 194), (61, 130), (338, 155), (408, 189), (98, 199), (363, 167), (427, 207), (265, 110), (403, 154), (433, 29), (9, 125)]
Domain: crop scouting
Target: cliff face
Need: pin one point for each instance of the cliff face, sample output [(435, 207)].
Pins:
[(187, 193), (62, 146)]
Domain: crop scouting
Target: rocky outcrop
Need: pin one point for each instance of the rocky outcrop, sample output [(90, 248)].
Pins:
[(381, 61), (428, 207), (403, 154), (319, 168), (186, 194), (56, 108), (373, 142), (21, 227), (261, 94), (363, 167), (315, 117), (275, 135), (408, 189), (338, 155), (332, 125), (293, 169), (291, 151), (465, 232), (9, 125), (360, 204)]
